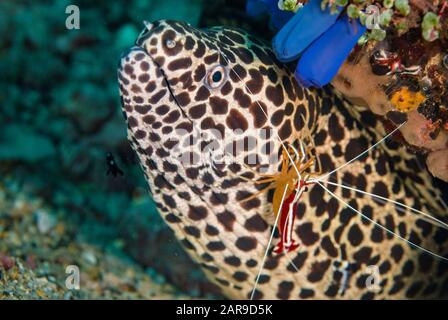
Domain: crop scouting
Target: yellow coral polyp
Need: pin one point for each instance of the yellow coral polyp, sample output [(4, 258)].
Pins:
[(405, 100)]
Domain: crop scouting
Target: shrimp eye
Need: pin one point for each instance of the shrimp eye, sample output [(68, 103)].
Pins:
[(216, 77), (306, 189), (445, 61), (426, 85), (377, 54)]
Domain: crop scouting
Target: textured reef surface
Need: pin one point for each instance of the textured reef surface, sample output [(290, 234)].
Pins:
[(37, 245)]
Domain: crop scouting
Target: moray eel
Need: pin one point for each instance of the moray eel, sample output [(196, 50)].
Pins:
[(188, 93)]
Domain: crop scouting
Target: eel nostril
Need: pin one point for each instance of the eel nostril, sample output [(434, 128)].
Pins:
[(148, 25), (144, 34)]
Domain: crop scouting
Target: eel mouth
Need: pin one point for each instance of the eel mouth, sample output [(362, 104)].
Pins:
[(170, 90), (165, 80), (130, 69), (140, 45)]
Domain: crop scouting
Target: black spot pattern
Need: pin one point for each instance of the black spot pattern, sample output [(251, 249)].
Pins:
[(236, 121), (306, 234), (256, 224), (227, 219), (355, 235), (246, 243), (197, 212)]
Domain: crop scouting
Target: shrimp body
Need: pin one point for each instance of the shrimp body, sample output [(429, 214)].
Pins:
[(289, 184), (288, 212)]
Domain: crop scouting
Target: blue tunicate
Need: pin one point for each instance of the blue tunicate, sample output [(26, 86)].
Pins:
[(321, 61), (302, 29)]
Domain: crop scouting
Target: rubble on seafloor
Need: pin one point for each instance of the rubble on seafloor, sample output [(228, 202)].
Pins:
[(37, 250)]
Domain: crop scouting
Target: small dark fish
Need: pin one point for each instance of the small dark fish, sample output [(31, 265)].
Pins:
[(112, 166)]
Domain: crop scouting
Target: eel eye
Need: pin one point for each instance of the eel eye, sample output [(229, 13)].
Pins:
[(216, 77), (170, 43), (445, 61)]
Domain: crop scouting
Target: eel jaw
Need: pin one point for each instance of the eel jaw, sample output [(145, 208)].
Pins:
[(140, 43), (134, 63)]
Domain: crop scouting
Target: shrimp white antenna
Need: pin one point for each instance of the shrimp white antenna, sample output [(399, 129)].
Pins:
[(361, 154), (269, 244), (381, 226), (401, 205)]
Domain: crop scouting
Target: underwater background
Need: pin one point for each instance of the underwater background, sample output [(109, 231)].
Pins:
[(60, 205)]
